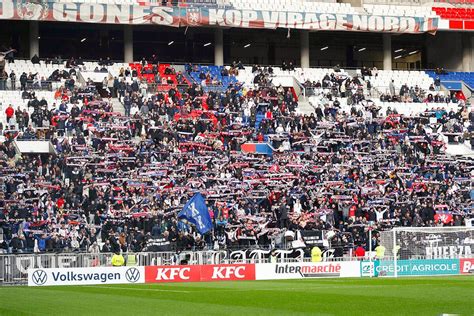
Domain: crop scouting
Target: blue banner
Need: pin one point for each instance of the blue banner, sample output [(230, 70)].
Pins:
[(416, 267), (196, 213)]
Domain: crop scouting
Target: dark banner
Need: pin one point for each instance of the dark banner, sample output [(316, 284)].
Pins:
[(312, 237)]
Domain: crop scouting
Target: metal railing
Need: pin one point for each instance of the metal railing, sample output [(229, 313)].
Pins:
[(14, 268)]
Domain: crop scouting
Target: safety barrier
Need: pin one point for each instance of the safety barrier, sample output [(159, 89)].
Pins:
[(283, 264), (13, 268), (241, 272)]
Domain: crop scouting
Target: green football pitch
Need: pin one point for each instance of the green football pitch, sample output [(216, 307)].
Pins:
[(377, 296)]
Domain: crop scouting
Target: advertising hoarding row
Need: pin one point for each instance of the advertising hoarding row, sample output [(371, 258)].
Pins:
[(238, 272)]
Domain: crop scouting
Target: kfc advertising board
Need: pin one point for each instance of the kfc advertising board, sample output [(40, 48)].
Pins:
[(197, 273)]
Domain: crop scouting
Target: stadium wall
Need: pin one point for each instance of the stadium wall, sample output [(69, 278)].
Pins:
[(268, 47), (241, 272), (438, 45)]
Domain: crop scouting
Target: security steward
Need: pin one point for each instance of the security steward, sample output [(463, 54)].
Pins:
[(316, 254), (118, 260)]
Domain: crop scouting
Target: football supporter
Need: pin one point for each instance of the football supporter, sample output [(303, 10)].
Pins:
[(120, 180)]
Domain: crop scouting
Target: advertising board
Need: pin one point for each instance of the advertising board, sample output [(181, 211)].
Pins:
[(410, 267), (196, 273), (86, 276), (304, 270)]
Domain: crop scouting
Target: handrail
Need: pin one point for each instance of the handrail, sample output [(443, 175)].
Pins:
[(174, 63)]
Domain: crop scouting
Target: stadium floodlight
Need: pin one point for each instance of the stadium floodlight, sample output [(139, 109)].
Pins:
[(397, 57), (207, 44), (83, 40), (413, 52), (248, 45), (399, 50), (325, 47), (362, 49), (170, 43)]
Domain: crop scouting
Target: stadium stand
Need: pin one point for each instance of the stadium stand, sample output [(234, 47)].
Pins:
[(410, 78), (259, 112), (466, 77), (455, 13), (399, 10), (275, 150), (294, 6)]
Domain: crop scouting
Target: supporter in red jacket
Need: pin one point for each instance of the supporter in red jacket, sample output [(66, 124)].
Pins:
[(9, 112), (360, 252)]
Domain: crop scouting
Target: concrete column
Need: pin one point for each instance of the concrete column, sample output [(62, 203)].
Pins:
[(467, 52), (304, 49), (219, 47), (34, 41), (472, 53), (387, 52), (128, 44)]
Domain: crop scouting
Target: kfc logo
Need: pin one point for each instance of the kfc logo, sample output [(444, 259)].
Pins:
[(172, 274), (166, 274), (228, 272)]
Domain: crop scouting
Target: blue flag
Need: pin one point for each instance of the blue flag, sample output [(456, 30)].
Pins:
[(195, 212)]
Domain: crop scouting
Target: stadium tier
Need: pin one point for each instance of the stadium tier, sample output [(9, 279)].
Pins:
[(454, 77)]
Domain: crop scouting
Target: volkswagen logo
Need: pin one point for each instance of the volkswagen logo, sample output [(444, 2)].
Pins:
[(39, 277), (132, 275)]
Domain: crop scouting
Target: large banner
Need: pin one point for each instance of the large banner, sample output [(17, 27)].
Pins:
[(209, 16), (86, 276)]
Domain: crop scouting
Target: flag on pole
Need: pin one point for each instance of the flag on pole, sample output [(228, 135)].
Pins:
[(196, 213)]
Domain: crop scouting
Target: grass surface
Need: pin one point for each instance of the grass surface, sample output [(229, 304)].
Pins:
[(377, 296)]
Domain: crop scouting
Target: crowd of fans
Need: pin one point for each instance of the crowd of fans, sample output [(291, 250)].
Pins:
[(116, 182)]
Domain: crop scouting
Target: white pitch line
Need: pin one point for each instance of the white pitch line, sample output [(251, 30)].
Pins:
[(135, 289)]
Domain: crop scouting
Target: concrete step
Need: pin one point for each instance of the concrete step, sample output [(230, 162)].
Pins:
[(304, 106), (461, 149), (118, 106)]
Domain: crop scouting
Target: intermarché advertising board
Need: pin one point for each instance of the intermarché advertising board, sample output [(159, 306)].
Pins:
[(410, 267), (304, 270)]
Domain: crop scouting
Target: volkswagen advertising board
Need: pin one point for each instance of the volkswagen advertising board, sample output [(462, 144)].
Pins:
[(86, 276)]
